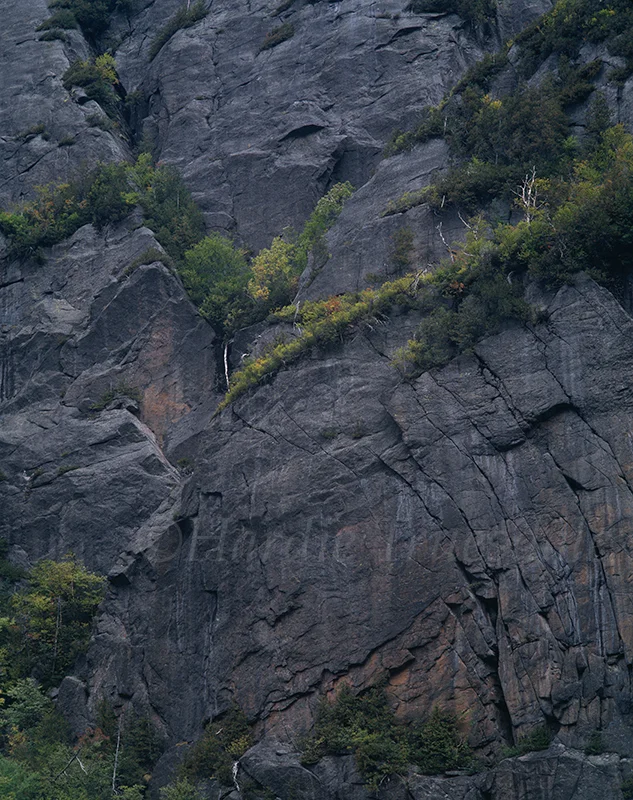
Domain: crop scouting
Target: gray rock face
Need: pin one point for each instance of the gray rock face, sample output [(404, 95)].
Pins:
[(31, 94), (330, 95), (465, 536), (90, 389)]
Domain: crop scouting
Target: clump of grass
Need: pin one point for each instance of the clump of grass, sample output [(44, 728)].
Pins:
[(121, 390), (54, 35), (39, 129), (66, 468), (149, 256), (277, 36), (183, 18)]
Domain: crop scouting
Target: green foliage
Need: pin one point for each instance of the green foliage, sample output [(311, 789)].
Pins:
[(216, 274), (167, 206), (108, 197), (103, 196), (64, 18), (54, 35), (401, 256), (180, 790), (365, 725), (436, 746), (627, 789), (19, 783), (66, 468), (224, 741), (148, 256), (594, 746), (276, 270), (570, 23), (183, 18), (51, 619), (474, 11), (56, 213), (406, 201), (583, 222), (92, 16), (9, 574), (121, 390), (41, 762), (277, 36), (98, 78), (100, 121), (539, 739)]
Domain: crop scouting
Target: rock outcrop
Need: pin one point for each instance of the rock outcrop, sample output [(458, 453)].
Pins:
[(464, 536)]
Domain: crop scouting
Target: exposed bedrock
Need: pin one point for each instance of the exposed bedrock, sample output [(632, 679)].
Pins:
[(465, 535)]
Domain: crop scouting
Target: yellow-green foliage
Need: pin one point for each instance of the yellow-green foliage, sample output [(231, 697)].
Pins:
[(322, 323), (105, 195), (581, 223), (276, 270), (231, 293), (98, 78), (273, 271), (51, 619)]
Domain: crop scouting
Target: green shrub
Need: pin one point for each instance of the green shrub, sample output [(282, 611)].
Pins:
[(92, 16), (436, 745), (54, 35), (36, 130), (100, 121), (627, 789), (148, 256), (106, 195), (52, 618), (180, 790), (67, 141), (98, 78), (167, 206), (19, 783), (121, 390), (224, 741), (216, 274), (108, 198), (594, 746), (539, 739), (402, 254), (277, 36), (67, 468), (364, 725), (64, 18), (183, 18), (569, 24), (276, 270)]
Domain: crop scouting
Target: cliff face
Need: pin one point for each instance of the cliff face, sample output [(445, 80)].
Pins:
[(464, 535)]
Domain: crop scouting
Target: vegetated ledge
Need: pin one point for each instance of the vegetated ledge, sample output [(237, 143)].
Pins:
[(469, 296)]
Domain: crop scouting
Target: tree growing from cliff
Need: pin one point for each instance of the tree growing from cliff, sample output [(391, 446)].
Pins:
[(52, 618)]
